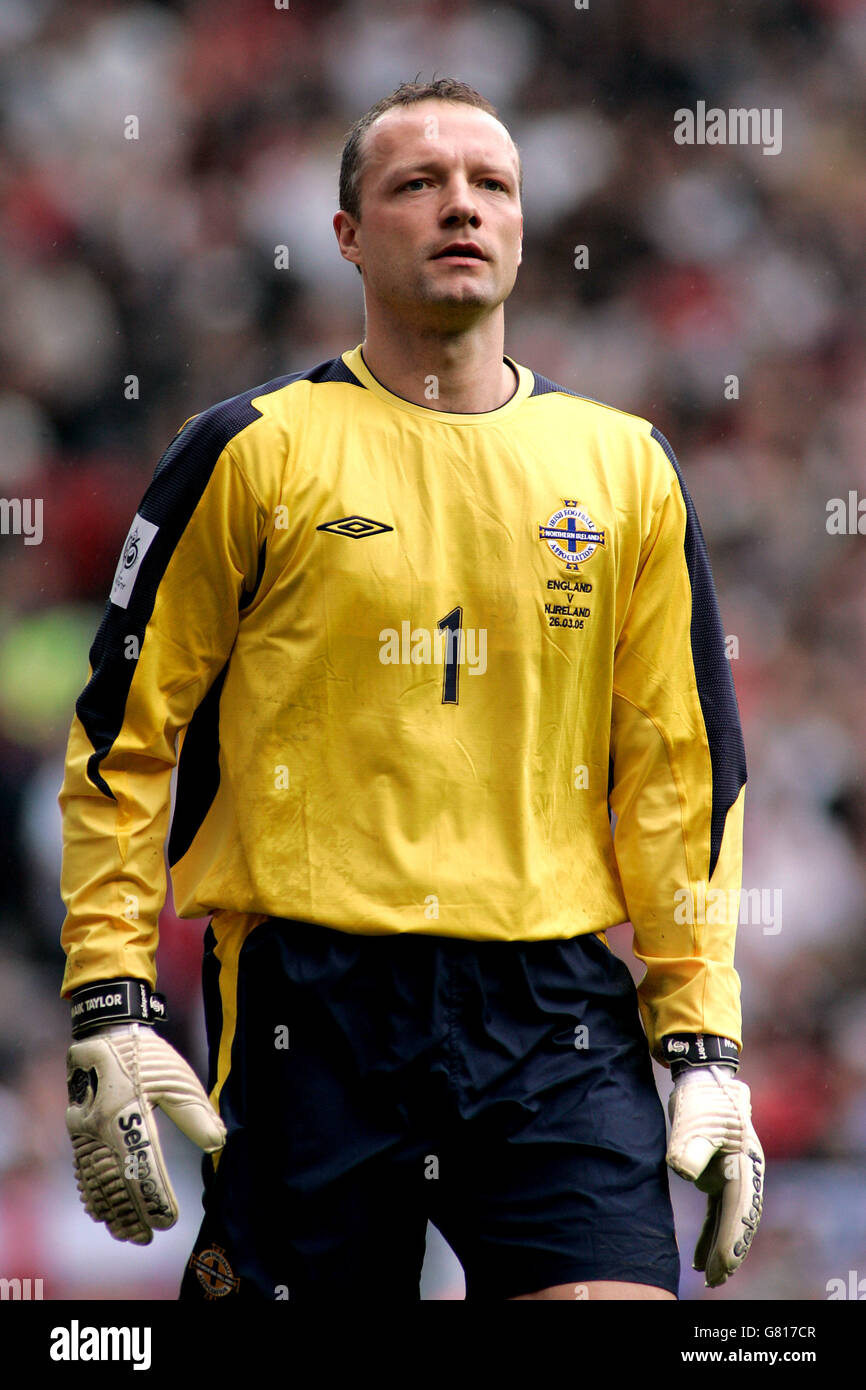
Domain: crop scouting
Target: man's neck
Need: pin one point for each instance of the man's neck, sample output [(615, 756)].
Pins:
[(460, 373)]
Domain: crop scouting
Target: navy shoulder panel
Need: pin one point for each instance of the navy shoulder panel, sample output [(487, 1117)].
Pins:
[(543, 386)]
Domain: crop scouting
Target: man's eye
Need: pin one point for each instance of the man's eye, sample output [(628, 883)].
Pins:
[(421, 180)]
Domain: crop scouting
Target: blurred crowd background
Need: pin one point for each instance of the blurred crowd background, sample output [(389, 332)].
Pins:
[(140, 287)]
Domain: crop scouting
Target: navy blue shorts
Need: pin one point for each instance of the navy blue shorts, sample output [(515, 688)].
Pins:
[(502, 1090)]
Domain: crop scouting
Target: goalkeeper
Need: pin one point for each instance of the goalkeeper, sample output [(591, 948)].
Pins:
[(416, 625)]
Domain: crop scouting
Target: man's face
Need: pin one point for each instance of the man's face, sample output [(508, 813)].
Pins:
[(437, 177)]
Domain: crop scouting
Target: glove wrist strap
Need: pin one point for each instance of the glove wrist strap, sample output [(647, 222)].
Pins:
[(684, 1050), (114, 1001)]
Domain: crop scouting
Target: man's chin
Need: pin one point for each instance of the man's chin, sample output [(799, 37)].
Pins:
[(461, 293), (452, 301)]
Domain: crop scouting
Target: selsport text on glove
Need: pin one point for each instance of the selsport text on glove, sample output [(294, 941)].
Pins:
[(118, 1070), (713, 1144)]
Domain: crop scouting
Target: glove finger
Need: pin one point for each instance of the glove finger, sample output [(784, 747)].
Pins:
[(144, 1168), (708, 1233), (195, 1117), (104, 1192), (715, 1175), (741, 1203), (689, 1158), (170, 1082)]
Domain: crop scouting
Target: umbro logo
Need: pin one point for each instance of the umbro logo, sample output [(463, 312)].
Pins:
[(355, 526)]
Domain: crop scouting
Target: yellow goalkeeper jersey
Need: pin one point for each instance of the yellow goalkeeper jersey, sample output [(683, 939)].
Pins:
[(407, 663)]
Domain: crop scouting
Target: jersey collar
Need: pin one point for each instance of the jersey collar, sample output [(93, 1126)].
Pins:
[(354, 360)]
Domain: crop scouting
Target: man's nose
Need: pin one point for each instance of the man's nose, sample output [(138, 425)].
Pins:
[(460, 203)]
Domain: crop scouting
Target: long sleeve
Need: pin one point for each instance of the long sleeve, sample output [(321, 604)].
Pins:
[(679, 776), (194, 547)]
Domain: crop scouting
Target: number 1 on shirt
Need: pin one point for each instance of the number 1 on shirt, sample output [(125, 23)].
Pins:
[(452, 624)]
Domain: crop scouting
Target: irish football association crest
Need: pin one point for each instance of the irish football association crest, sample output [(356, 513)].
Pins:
[(571, 535)]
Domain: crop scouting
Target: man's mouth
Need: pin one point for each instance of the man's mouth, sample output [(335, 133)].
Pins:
[(460, 251)]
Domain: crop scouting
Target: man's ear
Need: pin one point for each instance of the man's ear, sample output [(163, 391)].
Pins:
[(346, 232)]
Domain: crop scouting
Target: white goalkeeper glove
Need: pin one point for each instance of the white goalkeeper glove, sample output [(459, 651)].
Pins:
[(713, 1144), (115, 1077)]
